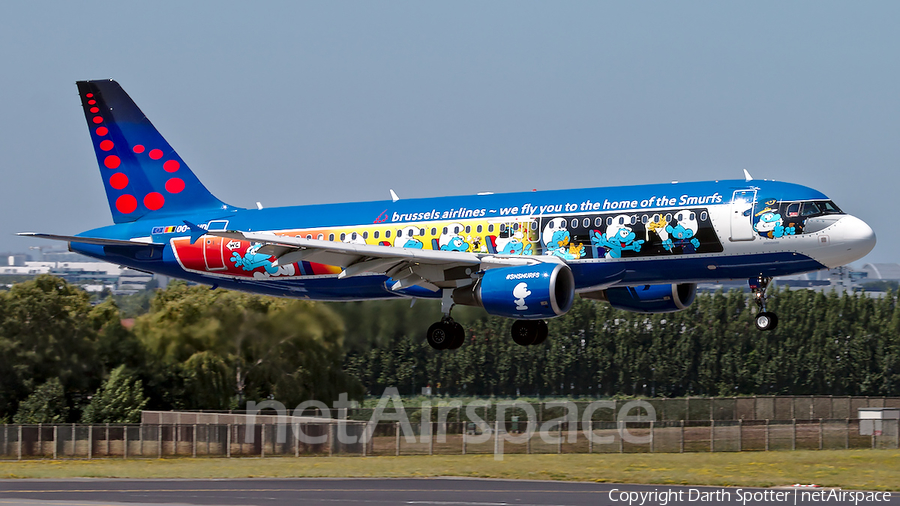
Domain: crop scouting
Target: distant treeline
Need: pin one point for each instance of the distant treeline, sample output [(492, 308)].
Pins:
[(826, 344), (63, 359)]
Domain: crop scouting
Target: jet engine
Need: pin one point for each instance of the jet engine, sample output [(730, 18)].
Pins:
[(648, 298), (529, 292)]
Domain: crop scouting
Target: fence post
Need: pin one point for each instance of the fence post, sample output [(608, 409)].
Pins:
[(681, 445), (55, 441), (767, 434), (559, 441), (465, 431), (847, 436), (175, 442), (330, 439), (125, 442), (107, 439), (590, 435), (297, 439), (40, 440), (194, 441), (90, 442), (19, 452), (208, 437), (140, 440), (793, 432), (496, 437), (262, 441), (432, 426), (228, 441), (365, 439), (651, 436), (5, 447), (821, 435), (159, 429), (397, 437), (621, 427), (712, 435), (740, 434)]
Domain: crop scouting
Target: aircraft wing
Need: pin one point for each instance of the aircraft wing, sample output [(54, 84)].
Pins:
[(405, 266), (91, 240)]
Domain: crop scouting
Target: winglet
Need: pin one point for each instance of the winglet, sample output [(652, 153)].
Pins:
[(196, 231), (394, 196), (747, 176)]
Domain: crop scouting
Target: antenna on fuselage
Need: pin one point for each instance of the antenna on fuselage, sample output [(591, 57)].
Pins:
[(394, 196), (747, 176)]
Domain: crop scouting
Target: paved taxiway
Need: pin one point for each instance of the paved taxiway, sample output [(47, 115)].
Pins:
[(364, 492)]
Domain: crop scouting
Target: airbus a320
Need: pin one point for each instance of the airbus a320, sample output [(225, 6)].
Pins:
[(518, 255)]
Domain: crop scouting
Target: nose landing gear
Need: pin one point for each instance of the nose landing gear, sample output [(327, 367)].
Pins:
[(764, 320)]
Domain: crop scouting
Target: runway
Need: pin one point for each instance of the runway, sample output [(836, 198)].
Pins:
[(377, 492)]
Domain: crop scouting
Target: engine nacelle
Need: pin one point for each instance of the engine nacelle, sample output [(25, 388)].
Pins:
[(530, 292), (651, 298)]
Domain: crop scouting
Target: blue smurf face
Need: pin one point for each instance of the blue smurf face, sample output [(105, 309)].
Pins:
[(560, 239), (456, 244), (768, 221), (513, 248), (679, 232), (413, 243), (625, 235)]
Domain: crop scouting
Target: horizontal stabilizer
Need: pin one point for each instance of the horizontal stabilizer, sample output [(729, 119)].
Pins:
[(90, 240)]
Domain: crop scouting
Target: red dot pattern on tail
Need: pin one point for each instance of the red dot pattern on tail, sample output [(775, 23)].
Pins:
[(127, 203)]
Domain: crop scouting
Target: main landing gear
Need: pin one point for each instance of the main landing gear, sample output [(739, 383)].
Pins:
[(446, 334), (529, 332), (764, 320)]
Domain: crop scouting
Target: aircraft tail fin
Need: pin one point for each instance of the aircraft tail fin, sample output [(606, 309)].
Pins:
[(141, 172)]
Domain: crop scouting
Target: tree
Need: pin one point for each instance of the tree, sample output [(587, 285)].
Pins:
[(47, 404), (119, 400)]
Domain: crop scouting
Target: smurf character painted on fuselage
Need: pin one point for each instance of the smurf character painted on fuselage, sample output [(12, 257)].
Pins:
[(451, 240), (683, 233), (618, 238), (557, 241), (406, 238), (513, 245), (770, 223), (253, 260)]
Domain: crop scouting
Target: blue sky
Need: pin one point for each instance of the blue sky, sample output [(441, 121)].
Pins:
[(315, 102)]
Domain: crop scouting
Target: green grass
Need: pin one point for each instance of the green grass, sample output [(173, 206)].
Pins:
[(853, 469)]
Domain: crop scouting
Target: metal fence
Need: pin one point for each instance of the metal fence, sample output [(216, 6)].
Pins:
[(688, 408), (73, 441)]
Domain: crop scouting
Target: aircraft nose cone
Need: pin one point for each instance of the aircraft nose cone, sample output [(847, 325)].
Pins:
[(852, 239), (860, 236)]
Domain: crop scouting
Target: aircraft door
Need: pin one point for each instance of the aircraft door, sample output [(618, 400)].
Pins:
[(742, 215), (213, 247)]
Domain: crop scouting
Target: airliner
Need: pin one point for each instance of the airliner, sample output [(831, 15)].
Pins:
[(523, 256)]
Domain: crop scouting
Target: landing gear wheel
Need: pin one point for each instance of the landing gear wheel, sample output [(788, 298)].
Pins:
[(523, 332), (542, 332), (440, 335), (528, 332), (459, 337), (766, 321)]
